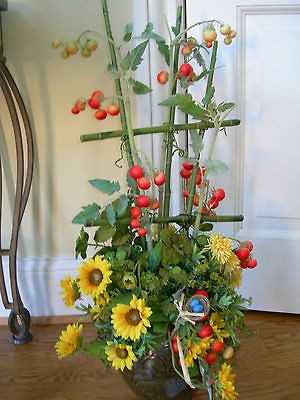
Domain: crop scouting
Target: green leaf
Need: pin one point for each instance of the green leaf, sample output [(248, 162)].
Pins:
[(104, 233), (81, 244), (197, 142), (105, 186), (119, 239), (200, 59), (206, 227), (149, 34), (134, 57), (90, 213), (111, 214), (122, 204), (209, 95), (97, 349), (113, 70), (178, 99), (176, 28), (139, 87), (194, 110), (164, 50), (128, 30), (160, 327), (154, 256), (215, 166), (225, 106), (121, 299)]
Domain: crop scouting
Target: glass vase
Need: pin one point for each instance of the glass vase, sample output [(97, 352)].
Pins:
[(153, 377)]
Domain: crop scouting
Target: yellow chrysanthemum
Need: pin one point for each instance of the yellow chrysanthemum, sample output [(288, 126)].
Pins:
[(226, 379), (217, 323), (68, 291), (120, 355), (131, 320), (236, 277), (220, 247), (68, 340), (94, 276), (99, 303), (233, 263)]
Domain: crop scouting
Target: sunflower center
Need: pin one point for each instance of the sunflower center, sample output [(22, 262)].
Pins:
[(133, 317), (122, 353), (95, 276)]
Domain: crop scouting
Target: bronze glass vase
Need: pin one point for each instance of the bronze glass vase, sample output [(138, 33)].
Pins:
[(153, 378)]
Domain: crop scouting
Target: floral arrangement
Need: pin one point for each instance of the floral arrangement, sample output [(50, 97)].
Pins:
[(148, 278)]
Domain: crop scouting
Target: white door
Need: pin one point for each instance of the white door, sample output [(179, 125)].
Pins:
[(260, 72)]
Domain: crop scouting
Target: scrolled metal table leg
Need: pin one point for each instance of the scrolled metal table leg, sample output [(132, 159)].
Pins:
[(19, 318)]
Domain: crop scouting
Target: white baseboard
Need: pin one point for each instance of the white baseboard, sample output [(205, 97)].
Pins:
[(39, 284)]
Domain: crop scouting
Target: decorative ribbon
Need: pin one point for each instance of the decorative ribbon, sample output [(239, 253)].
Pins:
[(186, 315), (185, 370)]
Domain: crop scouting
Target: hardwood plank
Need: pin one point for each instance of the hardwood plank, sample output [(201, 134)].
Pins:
[(268, 366)]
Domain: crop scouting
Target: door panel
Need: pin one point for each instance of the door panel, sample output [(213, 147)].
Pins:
[(264, 82)]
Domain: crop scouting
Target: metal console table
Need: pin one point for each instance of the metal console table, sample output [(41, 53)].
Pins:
[(19, 318)]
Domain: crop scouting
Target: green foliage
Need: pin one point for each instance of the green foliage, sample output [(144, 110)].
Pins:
[(134, 57), (104, 233), (139, 87), (149, 34), (215, 166), (111, 214), (81, 244), (89, 214), (128, 30), (208, 96), (197, 142), (112, 69), (187, 105), (105, 186), (154, 256), (122, 205)]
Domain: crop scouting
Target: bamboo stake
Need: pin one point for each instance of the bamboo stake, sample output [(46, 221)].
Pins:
[(194, 175), (170, 136), (180, 219), (118, 85), (202, 125)]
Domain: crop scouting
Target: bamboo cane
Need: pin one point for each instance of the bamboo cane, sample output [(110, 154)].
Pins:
[(201, 125)]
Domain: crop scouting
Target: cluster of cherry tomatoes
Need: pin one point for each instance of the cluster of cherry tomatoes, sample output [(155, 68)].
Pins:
[(209, 35), (217, 195), (95, 102), (205, 331), (70, 48), (243, 253), (143, 201)]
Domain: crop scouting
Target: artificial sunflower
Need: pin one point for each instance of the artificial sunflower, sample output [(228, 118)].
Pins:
[(69, 340), (68, 290), (121, 356), (131, 320), (226, 379), (220, 247), (94, 276)]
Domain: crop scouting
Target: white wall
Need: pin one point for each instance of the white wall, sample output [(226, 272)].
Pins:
[(63, 165)]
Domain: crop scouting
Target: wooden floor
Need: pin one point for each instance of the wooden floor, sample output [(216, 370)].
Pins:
[(269, 366)]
